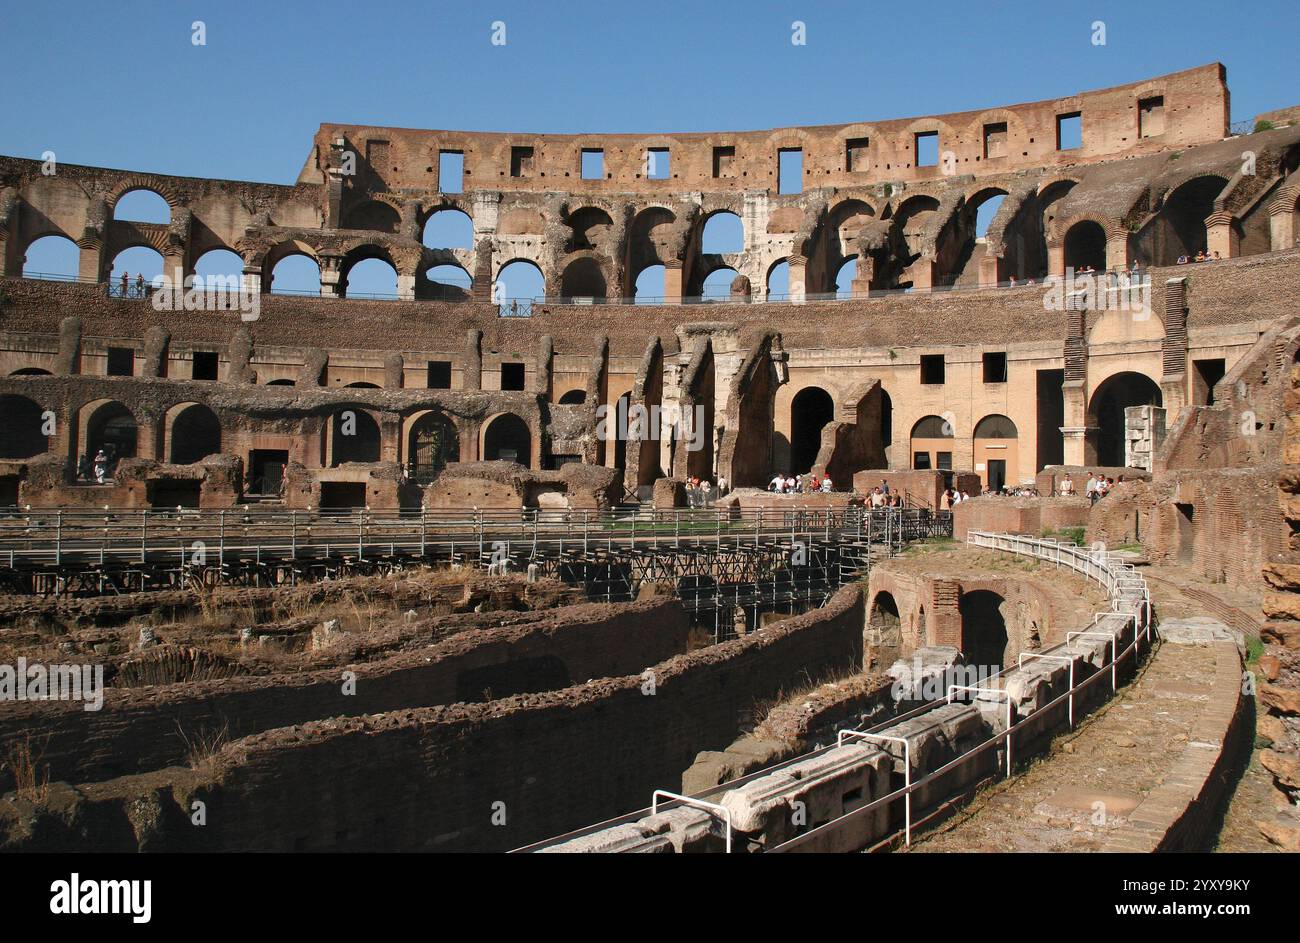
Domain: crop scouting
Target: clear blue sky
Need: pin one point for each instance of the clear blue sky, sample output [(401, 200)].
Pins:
[(121, 85)]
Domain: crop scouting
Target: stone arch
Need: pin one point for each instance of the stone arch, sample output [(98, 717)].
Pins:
[(111, 426), (590, 227), (193, 432), (651, 240), (1178, 227), (583, 278), (447, 227), (444, 281), (291, 263), (930, 436), (366, 252), (507, 438), (886, 627), (519, 279), (226, 268), (573, 398), (996, 440), (712, 225), (1106, 412), (52, 255), (31, 372), (962, 246), (373, 216), (984, 639), (1084, 245), (164, 194), (432, 441), (810, 410), (21, 428), (353, 437)]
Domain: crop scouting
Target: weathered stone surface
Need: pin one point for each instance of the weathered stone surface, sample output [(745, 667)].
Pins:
[(1280, 699)]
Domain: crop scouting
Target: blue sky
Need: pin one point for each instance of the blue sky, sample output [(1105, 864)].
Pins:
[(122, 85)]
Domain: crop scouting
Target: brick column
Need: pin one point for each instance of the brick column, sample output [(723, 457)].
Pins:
[(330, 273), (1281, 220), (1118, 255), (673, 281), (798, 278), (1220, 236)]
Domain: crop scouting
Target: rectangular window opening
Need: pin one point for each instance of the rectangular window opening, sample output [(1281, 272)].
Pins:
[(789, 170), (521, 161), (121, 362), (932, 369), (451, 171), (439, 375), (657, 164), (1069, 131), (927, 149), (995, 140), (205, 365), (855, 155), (1151, 116), (995, 367), (724, 159), (593, 163), (512, 376)]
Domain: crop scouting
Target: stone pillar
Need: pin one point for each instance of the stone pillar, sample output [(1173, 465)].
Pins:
[(861, 285), (545, 358), (252, 282), (992, 271), (406, 287), (90, 261), (472, 371), (1118, 256), (1281, 220), (69, 359), (922, 273), (330, 273), (798, 278), (1056, 260), (390, 437), (1080, 444), (673, 282), (740, 291), (1144, 433), (1221, 236)]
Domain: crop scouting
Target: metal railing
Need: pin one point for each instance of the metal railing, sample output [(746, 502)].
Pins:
[(1096, 565)]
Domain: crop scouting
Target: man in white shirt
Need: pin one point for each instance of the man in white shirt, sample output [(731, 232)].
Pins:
[(826, 484), (778, 484)]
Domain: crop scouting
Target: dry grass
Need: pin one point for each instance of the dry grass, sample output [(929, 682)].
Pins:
[(31, 777), (204, 744)]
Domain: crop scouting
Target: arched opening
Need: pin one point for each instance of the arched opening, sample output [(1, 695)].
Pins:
[(508, 439), (621, 409), (519, 282), (717, 285), (1106, 412), (219, 269), (446, 283), (1178, 231), (448, 228), (31, 372), (22, 428), (651, 240), (354, 435), (723, 232), (844, 276), (112, 429), (361, 385), (983, 630), (590, 226), (373, 216), (431, 444), (195, 434), (810, 410), (1085, 246), (778, 281), (295, 274), (573, 398), (368, 273), (583, 278), (964, 244), (134, 271), (649, 288), (885, 625), (280, 382), (931, 443), (996, 451), (52, 257), (142, 206)]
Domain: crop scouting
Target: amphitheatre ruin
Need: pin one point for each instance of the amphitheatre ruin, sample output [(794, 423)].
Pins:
[(449, 571)]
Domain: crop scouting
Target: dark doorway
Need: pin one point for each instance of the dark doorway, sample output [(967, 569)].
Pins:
[(983, 629), (1106, 412), (266, 470), (811, 409)]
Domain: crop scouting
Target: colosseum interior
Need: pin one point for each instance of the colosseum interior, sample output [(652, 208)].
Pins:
[(457, 549)]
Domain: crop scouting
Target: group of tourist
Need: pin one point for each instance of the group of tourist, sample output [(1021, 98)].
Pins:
[(952, 497), (882, 496), (125, 286), (801, 484), (1201, 256), (1098, 487)]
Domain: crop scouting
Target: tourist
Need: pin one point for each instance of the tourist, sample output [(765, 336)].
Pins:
[(777, 484), (1090, 492), (126, 284), (1012, 284), (1067, 486), (722, 485), (1216, 256), (791, 485), (139, 284), (1182, 260), (101, 463), (827, 486), (945, 500), (884, 485)]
